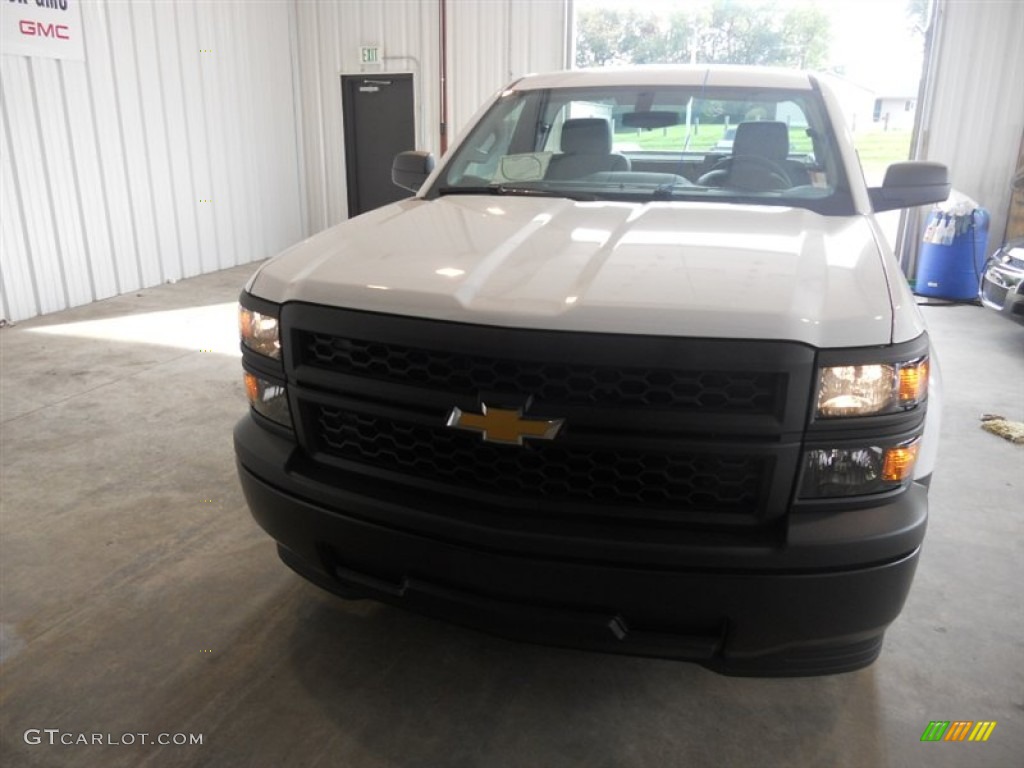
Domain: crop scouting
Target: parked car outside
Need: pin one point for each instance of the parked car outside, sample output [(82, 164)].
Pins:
[(1002, 283)]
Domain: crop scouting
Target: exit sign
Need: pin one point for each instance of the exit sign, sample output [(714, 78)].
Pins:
[(369, 54)]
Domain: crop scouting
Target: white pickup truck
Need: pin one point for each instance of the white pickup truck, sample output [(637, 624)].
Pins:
[(600, 384)]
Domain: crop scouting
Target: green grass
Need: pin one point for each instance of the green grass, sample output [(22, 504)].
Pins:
[(877, 149), (704, 138)]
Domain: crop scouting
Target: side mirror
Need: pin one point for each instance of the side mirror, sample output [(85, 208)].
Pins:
[(910, 184), (410, 169)]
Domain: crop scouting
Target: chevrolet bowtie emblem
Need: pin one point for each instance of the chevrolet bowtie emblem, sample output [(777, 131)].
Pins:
[(501, 425)]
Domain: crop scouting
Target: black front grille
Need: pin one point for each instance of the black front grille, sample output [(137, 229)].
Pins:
[(996, 294), (555, 472), (551, 382), (695, 433)]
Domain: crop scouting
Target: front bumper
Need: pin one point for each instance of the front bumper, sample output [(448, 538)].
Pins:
[(817, 603), (1002, 289)]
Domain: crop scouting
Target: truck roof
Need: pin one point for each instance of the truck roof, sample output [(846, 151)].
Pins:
[(693, 75)]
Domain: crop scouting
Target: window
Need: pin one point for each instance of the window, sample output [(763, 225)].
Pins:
[(634, 143)]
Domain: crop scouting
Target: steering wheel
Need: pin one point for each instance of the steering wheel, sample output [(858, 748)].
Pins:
[(751, 172)]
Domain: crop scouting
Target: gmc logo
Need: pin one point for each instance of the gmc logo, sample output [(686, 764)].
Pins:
[(38, 29)]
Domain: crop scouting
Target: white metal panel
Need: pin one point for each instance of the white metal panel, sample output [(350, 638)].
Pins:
[(245, 126), (280, 183), (156, 141), (312, 128), (53, 132), (976, 117), (30, 178), (113, 180), (106, 161), (17, 287), (135, 144), (59, 181), (476, 27), (88, 182), (333, 43), (196, 138), (492, 42), (176, 153), (332, 62), (219, 196)]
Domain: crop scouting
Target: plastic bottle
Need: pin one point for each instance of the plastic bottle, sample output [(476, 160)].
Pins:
[(950, 231)]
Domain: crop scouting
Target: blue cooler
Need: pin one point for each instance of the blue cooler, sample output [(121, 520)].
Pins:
[(953, 270)]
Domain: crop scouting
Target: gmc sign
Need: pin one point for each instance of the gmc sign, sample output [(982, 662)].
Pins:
[(39, 29)]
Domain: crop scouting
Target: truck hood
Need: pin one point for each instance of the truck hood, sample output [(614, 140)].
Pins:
[(661, 268)]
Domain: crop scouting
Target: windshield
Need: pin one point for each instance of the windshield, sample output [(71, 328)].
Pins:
[(750, 145)]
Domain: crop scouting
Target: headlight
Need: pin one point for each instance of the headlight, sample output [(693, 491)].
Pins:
[(259, 332), (866, 390), (268, 399), (842, 472)]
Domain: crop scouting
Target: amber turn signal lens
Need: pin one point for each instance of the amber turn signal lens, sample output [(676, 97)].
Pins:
[(913, 381), (252, 388), (899, 462), (268, 398)]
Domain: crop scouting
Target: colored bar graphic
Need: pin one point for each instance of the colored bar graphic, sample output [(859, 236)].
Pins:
[(935, 731), (982, 730), (958, 730)]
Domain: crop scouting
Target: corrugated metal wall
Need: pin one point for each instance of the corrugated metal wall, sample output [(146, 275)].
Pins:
[(975, 119), (169, 152), (492, 42), (489, 43)]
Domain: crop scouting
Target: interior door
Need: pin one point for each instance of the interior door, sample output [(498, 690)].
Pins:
[(379, 122)]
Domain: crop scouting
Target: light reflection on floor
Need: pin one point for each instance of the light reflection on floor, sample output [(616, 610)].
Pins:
[(212, 328)]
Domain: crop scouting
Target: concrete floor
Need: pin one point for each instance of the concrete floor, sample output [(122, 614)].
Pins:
[(139, 597)]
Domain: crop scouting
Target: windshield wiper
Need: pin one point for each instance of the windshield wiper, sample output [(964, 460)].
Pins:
[(491, 189), (664, 191), (516, 189), (572, 194), (668, 190)]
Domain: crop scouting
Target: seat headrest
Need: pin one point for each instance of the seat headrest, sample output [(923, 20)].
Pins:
[(766, 138), (587, 136)]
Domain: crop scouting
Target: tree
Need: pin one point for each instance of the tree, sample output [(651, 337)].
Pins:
[(597, 37), (746, 34), (725, 31), (606, 36), (806, 34)]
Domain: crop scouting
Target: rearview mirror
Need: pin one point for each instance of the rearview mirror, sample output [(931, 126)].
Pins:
[(910, 184), (410, 169), (652, 119)]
